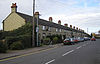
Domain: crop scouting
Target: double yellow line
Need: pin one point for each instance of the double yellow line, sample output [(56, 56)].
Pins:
[(26, 54)]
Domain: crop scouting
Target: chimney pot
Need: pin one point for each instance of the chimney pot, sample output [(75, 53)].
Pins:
[(14, 5), (50, 19), (59, 22), (36, 13), (66, 25), (77, 28), (74, 27), (70, 26)]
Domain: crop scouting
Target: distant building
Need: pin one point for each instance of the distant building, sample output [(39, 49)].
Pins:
[(16, 19)]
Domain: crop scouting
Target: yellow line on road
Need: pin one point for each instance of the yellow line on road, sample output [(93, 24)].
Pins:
[(26, 54)]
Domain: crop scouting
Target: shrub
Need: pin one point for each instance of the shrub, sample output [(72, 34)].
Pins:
[(10, 40), (3, 47), (55, 40), (26, 40), (46, 41), (17, 46)]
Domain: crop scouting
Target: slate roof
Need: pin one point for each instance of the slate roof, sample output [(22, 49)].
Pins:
[(43, 22)]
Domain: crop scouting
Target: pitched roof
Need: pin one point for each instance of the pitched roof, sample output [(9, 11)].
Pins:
[(28, 18), (43, 22)]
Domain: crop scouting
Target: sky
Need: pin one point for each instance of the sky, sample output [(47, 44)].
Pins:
[(84, 14)]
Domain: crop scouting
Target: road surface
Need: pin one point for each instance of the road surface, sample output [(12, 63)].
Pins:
[(87, 52)]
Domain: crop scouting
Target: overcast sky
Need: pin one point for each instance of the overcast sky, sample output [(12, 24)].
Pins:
[(80, 13)]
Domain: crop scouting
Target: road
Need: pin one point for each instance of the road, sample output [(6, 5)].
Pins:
[(87, 52)]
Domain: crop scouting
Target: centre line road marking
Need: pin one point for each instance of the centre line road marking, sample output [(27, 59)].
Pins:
[(79, 47), (84, 45), (67, 52), (50, 61)]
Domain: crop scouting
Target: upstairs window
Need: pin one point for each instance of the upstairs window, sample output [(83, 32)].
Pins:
[(56, 29), (49, 28), (59, 30), (43, 27)]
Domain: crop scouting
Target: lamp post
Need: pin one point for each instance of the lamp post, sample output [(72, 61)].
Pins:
[(37, 31), (33, 32)]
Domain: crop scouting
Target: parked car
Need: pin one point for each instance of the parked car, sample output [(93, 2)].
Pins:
[(80, 39), (67, 41), (93, 39), (76, 40), (86, 38), (73, 40)]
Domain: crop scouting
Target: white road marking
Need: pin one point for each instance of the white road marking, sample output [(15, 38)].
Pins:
[(67, 52), (79, 47), (50, 61), (84, 45)]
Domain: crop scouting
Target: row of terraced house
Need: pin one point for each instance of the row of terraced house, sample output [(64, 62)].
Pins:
[(46, 27)]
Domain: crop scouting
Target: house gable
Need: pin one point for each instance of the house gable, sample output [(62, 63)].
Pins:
[(13, 21)]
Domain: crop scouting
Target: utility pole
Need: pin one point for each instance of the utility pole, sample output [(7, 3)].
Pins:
[(87, 30), (33, 32)]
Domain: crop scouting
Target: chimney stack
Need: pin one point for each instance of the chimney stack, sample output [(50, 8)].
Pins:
[(59, 22), (74, 27), (14, 7), (70, 26), (37, 14), (50, 19), (77, 28), (66, 25)]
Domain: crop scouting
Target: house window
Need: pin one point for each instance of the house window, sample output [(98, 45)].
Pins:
[(44, 27), (49, 28), (56, 30), (43, 35), (59, 30)]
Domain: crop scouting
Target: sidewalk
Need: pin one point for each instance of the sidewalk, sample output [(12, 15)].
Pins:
[(26, 51)]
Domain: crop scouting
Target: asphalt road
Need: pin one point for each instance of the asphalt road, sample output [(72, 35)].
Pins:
[(87, 52)]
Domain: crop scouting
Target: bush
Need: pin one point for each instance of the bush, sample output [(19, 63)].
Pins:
[(25, 39), (55, 40), (10, 40), (46, 41), (3, 47), (17, 46)]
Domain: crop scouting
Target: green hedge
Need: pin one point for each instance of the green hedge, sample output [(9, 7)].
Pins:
[(25, 39), (17, 46), (3, 47)]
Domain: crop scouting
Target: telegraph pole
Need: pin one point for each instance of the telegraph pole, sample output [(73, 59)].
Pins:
[(87, 30), (33, 31)]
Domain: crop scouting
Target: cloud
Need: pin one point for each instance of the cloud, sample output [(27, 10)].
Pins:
[(74, 12)]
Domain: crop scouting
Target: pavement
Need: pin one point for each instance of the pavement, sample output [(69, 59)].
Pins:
[(14, 53)]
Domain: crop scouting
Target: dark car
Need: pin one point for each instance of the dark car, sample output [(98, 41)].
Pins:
[(67, 41), (86, 38)]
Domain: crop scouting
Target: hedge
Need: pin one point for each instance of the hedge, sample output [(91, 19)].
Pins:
[(3, 47), (17, 46), (25, 39)]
